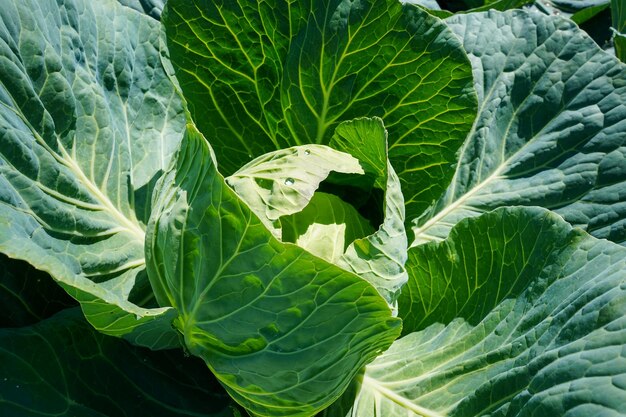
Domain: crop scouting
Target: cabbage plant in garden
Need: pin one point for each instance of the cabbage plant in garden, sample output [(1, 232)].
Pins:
[(336, 208)]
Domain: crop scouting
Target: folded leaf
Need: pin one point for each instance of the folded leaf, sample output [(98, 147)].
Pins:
[(551, 131), (62, 367), (378, 258), (275, 74), (282, 182), (88, 119), (283, 330), (533, 316)]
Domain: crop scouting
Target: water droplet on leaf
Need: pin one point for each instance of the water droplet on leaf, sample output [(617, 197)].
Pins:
[(307, 152), (290, 181)]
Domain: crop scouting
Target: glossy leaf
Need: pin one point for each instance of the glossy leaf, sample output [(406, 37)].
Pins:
[(283, 330), (528, 319), (551, 130), (589, 13), (88, 120), (275, 74), (63, 367)]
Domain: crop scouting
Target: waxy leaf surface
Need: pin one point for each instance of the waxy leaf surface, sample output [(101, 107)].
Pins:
[(529, 318), (88, 119), (551, 129)]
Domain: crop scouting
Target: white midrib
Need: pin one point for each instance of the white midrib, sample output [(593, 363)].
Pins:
[(131, 228), (375, 386), (421, 231)]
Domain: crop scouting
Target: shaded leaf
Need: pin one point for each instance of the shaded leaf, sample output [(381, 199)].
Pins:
[(62, 367), (152, 8), (27, 295), (585, 15)]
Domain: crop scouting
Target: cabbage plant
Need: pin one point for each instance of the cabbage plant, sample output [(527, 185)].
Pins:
[(337, 208)]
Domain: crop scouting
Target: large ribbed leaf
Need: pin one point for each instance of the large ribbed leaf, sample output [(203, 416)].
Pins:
[(88, 119), (551, 129), (281, 73), (283, 330), (532, 322), (63, 367)]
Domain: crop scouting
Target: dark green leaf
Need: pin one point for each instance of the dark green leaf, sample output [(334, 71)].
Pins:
[(618, 15), (585, 15), (575, 5), (261, 76), (27, 295), (62, 367), (501, 5)]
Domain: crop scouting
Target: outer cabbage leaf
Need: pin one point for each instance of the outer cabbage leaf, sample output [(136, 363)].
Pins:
[(283, 330), (551, 129), (88, 118), (63, 367), (27, 295), (534, 323), (275, 74)]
